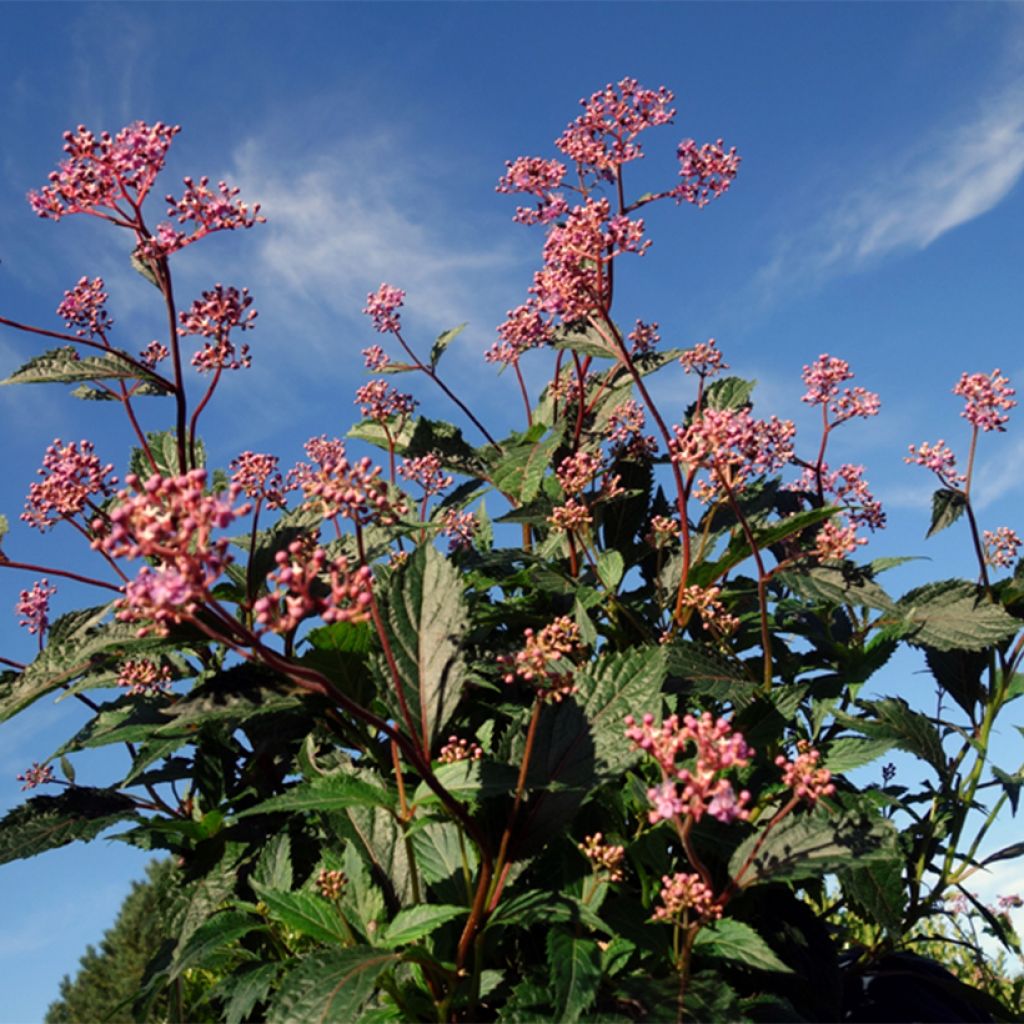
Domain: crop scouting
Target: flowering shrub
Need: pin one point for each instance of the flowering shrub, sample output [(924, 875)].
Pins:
[(589, 759)]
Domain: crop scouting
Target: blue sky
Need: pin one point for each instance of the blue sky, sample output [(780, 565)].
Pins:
[(876, 217)]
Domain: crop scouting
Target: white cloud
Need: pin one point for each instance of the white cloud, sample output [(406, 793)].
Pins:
[(951, 177)]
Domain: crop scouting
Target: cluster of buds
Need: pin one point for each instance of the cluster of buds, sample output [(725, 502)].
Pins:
[(140, 677), (704, 359), (833, 541), (460, 750), (539, 178), (664, 531), (1001, 547), (700, 788), (605, 858), (379, 401), (684, 896), (803, 776), (844, 486), (705, 601), (940, 459), (987, 399), (340, 488), (297, 591), (707, 171), (523, 329), (259, 478), (572, 517), (460, 528), (823, 379), (576, 472), (82, 308), (426, 471), (545, 661), (171, 521), (382, 308), (331, 884), (216, 315), (645, 338), (37, 775), (34, 607), (71, 474)]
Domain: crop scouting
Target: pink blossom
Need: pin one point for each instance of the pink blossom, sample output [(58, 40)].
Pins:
[(845, 486), (572, 517), (626, 421), (707, 172), (209, 209), (546, 658), (834, 542), (72, 474), (803, 776), (141, 676), (523, 329), (705, 601), (645, 338), (1001, 547), (426, 470), (604, 135), (823, 378), (703, 359), (606, 859), (82, 308), (939, 458), (34, 607), (258, 477), (155, 352), (379, 401), (375, 358), (986, 398), (382, 307), (105, 173), (682, 894), (37, 775), (576, 472), (218, 312), (460, 528), (539, 178), (459, 750)]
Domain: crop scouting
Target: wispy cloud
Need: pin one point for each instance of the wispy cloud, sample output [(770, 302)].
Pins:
[(952, 176)]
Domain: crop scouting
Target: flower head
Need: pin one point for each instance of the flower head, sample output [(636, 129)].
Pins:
[(546, 658), (683, 895), (460, 750), (823, 378), (803, 776), (539, 178), (34, 607), (426, 471), (141, 676), (37, 775), (1001, 547), (605, 858), (259, 478), (707, 171), (986, 398), (72, 474), (82, 308), (382, 307)]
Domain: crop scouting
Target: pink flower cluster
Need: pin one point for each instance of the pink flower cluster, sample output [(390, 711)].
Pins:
[(834, 541), (685, 894), (71, 475), (523, 329), (626, 421), (37, 775), (375, 358), (296, 593), (576, 472), (606, 858), (258, 477), (604, 135), (171, 521), (705, 601), (572, 517), (34, 607), (707, 171), (846, 486), (460, 750), (141, 676), (546, 659), (823, 378), (340, 488), (939, 458), (101, 173), (704, 359), (82, 308), (426, 471), (536, 177), (803, 776), (379, 401), (1001, 547), (331, 884), (460, 528), (155, 352), (382, 308), (733, 446), (701, 788), (216, 315), (987, 399), (209, 209)]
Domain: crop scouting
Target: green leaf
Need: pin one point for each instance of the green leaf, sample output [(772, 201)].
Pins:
[(729, 939), (725, 393), (274, 868), (4, 527), (581, 337), (894, 720), (469, 781), (849, 752), (249, 985), (68, 769), (219, 931), (951, 614), (808, 846), (427, 617), (439, 857), (838, 585), (707, 672), (164, 448), (46, 822), (610, 567), (611, 687), (947, 507), (520, 470), (959, 673), (330, 986), (304, 912), (378, 840), (575, 965), (412, 924), (878, 891), (443, 341), (327, 793), (63, 366)]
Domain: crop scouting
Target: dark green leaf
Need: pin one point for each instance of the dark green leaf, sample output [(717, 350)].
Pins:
[(412, 924), (63, 366), (213, 935), (729, 939), (328, 793), (878, 891), (959, 674), (893, 719), (575, 965), (838, 585), (952, 614), (46, 822), (274, 868), (1010, 852), (305, 913), (849, 752), (520, 470), (469, 781), (947, 507), (248, 985), (443, 341), (330, 986)]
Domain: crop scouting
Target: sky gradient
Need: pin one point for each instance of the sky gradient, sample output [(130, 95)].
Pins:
[(876, 217)]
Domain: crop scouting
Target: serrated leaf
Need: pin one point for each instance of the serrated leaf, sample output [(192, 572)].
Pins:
[(443, 341), (581, 337), (415, 922), (725, 393), (838, 585), (327, 793), (64, 366), (274, 868), (249, 985), (46, 822), (610, 567), (330, 986), (894, 719), (164, 448), (951, 614), (219, 931), (439, 857), (427, 616), (304, 912), (947, 507), (849, 752), (729, 939), (808, 846), (519, 472), (959, 674), (469, 781), (707, 672), (878, 891), (575, 965)]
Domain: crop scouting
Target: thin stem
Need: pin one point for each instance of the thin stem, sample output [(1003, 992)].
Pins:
[(42, 569)]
